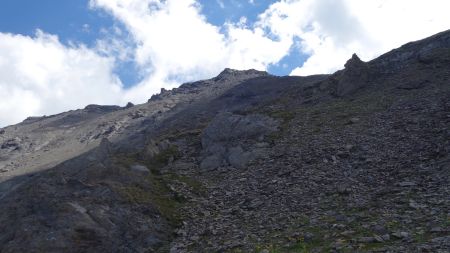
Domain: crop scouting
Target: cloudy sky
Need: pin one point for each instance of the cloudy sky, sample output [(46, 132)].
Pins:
[(58, 55)]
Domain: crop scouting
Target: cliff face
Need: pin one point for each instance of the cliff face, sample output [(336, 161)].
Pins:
[(354, 161)]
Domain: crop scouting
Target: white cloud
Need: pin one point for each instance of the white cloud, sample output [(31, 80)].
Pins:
[(174, 40), (175, 43), (331, 30), (38, 76)]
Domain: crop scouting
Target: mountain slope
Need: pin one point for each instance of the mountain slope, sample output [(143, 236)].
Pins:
[(244, 162)]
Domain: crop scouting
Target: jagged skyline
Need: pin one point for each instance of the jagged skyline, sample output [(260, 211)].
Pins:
[(64, 55)]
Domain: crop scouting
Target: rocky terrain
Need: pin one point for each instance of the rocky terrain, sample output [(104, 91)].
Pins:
[(356, 161)]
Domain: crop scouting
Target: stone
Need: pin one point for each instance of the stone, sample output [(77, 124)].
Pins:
[(353, 120), (401, 235), (140, 169), (367, 240), (441, 239), (438, 230), (262, 145), (308, 237), (218, 149), (255, 204), (78, 207), (226, 127), (220, 137), (348, 233), (211, 162), (341, 218), (378, 238), (342, 154), (343, 189), (136, 115), (379, 229), (415, 205), (406, 184), (386, 237), (238, 158), (349, 147)]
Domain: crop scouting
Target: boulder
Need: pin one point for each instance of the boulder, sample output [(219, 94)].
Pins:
[(211, 162), (237, 157), (228, 139), (138, 168), (227, 127)]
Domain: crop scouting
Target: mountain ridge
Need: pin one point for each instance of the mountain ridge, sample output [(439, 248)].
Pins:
[(244, 162), (425, 45)]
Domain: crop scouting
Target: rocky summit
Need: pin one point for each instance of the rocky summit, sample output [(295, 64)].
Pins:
[(356, 161)]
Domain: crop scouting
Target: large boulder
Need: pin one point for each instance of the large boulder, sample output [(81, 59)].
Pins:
[(238, 157), (228, 127), (231, 139), (211, 162)]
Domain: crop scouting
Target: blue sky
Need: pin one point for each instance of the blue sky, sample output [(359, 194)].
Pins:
[(71, 20), (219, 12), (59, 55), (65, 18)]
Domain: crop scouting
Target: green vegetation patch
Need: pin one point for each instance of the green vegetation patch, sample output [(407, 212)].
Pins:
[(151, 189), (161, 159)]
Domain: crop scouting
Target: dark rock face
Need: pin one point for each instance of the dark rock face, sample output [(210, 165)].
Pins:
[(163, 93), (353, 77), (357, 161), (228, 127), (222, 138), (432, 49), (11, 144), (129, 105), (84, 206)]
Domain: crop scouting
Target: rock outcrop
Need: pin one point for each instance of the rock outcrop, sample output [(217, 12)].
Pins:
[(224, 137), (353, 77)]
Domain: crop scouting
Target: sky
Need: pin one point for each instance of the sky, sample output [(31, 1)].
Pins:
[(59, 55)]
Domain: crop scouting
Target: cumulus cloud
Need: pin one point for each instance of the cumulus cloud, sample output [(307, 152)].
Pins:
[(38, 76), (331, 30), (175, 43), (175, 40)]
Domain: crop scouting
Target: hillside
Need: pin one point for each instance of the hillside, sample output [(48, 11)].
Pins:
[(356, 161)]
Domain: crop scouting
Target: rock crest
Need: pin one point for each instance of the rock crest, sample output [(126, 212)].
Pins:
[(353, 77)]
